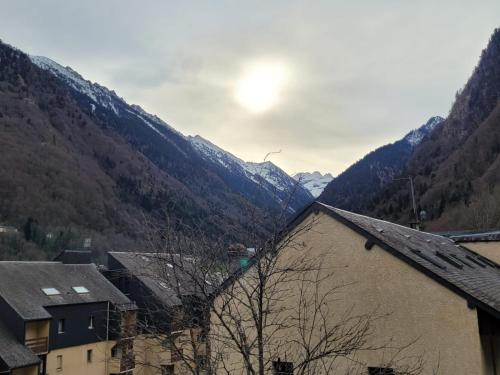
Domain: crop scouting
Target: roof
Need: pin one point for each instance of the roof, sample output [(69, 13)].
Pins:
[(481, 236), (21, 286), (13, 353), (463, 271), (74, 257), (157, 273)]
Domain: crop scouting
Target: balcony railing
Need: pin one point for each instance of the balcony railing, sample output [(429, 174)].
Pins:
[(39, 345)]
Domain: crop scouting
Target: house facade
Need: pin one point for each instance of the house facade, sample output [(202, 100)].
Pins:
[(69, 319), (169, 339), (435, 301)]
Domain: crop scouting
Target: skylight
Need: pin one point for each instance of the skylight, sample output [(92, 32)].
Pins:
[(51, 291), (80, 289)]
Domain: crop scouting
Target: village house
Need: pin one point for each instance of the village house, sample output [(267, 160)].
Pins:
[(170, 338), (63, 319), (437, 299)]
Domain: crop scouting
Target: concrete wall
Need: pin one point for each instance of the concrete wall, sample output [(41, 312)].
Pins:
[(488, 249), (74, 359), (151, 352), (412, 307)]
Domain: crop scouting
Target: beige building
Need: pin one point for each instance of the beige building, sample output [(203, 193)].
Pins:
[(429, 304)]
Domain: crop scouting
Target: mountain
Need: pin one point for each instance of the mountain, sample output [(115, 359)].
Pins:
[(456, 169), (357, 188), (314, 182), (78, 161), (264, 178)]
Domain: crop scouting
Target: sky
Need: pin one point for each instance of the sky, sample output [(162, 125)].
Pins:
[(324, 82)]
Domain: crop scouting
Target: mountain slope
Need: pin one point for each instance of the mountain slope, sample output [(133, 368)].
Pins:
[(356, 188), (315, 182), (79, 161), (261, 179), (457, 169)]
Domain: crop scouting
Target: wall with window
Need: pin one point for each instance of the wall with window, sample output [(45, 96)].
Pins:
[(73, 325), (81, 360)]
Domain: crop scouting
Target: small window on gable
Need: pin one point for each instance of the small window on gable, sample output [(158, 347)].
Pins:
[(381, 371), (282, 368), (80, 289), (89, 356), (51, 291), (116, 352)]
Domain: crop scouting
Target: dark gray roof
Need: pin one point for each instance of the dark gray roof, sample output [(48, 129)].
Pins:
[(477, 236), (21, 286), (74, 257), (467, 273), (165, 275), (13, 353)]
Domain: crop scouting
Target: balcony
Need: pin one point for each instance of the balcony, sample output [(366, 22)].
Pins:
[(39, 345)]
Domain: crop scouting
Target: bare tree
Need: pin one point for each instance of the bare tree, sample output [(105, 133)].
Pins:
[(233, 317)]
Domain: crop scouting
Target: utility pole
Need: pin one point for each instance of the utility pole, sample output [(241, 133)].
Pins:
[(414, 204)]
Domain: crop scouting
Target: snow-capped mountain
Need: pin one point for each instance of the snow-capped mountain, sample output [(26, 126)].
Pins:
[(100, 95), (266, 174), (315, 182), (415, 136), (243, 177), (356, 187)]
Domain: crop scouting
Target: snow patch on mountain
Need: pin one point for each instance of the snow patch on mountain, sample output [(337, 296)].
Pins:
[(314, 182), (415, 136), (100, 95), (269, 175)]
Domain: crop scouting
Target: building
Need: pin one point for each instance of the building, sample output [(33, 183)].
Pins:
[(170, 334), (437, 299), (63, 319)]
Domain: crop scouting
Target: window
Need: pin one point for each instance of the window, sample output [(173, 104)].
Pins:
[(381, 371), (80, 289), (51, 291), (89, 356), (167, 370), (61, 326), (59, 363), (116, 352), (282, 368), (91, 322)]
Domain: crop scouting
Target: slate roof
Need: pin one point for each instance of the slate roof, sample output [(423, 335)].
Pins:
[(74, 257), (13, 353), (156, 272), (465, 272), (475, 236), (21, 286)]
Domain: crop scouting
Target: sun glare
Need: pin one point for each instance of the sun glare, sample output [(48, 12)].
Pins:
[(260, 87)]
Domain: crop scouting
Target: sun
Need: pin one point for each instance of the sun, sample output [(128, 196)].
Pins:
[(260, 87)]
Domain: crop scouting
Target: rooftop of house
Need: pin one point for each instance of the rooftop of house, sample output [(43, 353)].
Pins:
[(465, 272), (474, 236), (29, 287), (74, 257), (165, 275), (13, 353)]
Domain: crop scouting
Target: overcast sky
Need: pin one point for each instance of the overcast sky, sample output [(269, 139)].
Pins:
[(358, 73)]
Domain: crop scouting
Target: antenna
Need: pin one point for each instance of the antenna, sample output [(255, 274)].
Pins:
[(414, 204)]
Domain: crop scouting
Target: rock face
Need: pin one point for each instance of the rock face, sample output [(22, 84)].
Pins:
[(76, 158), (358, 187)]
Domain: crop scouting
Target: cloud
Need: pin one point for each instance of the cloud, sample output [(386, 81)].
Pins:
[(363, 73)]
